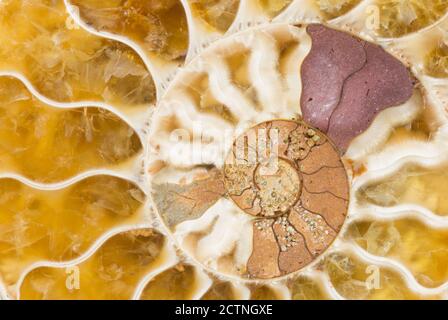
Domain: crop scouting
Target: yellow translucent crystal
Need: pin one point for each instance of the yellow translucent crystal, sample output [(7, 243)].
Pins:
[(420, 248), (262, 293), (401, 17), (334, 8), (199, 90), (60, 225), (304, 288), (159, 27), (436, 63), (422, 128), (174, 284), (220, 290), (66, 63), (217, 14), (411, 185), (113, 272), (48, 144), (274, 7), (354, 279)]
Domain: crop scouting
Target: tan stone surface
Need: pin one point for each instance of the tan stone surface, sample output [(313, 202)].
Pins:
[(177, 203), (263, 262)]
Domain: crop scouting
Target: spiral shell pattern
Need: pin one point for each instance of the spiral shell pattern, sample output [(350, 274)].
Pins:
[(123, 174)]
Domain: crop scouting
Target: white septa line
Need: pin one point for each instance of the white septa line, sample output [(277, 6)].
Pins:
[(399, 268), (199, 37), (132, 175), (300, 11), (85, 256), (249, 14), (387, 163), (166, 260), (133, 118), (280, 290), (357, 15), (155, 73), (240, 291), (356, 11), (382, 127), (202, 283), (411, 36), (323, 279), (3, 292), (399, 212)]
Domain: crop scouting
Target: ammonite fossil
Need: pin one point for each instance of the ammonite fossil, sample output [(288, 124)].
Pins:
[(286, 174), (225, 149)]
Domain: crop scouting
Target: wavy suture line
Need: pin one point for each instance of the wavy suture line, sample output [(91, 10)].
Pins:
[(168, 260), (200, 37), (390, 161), (85, 256), (323, 218), (402, 211), (203, 284), (123, 174), (320, 169), (64, 239), (325, 281), (301, 235), (57, 16), (134, 121), (325, 192), (396, 266), (161, 74), (129, 166), (131, 171), (277, 260)]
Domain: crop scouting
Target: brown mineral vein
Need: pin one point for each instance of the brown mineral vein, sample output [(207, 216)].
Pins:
[(278, 244), (294, 253), (236, 195), (331, 180), (326, 192), (320, 156), (317, 235), (263, 263), (321, 168), (332, 209), (301, 235), (323, 217)]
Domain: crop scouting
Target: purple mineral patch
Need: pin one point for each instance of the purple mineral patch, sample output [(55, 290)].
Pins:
[(347, 82)]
